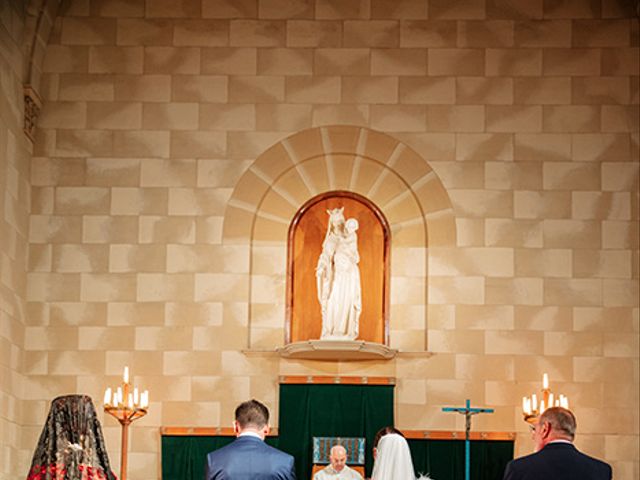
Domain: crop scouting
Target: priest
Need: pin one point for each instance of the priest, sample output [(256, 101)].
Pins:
[(337, 468)]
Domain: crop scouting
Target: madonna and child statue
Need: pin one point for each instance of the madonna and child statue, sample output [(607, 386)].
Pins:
[(338, 279)]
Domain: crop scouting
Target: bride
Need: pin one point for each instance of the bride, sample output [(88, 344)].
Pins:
[(392, 458)]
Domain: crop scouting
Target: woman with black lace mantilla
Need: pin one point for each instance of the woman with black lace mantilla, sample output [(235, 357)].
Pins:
[(71, 445)]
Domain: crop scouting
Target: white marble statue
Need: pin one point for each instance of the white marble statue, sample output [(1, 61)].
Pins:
[(338, 279)]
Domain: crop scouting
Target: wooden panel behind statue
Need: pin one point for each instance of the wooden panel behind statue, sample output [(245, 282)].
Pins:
[(338, 278)]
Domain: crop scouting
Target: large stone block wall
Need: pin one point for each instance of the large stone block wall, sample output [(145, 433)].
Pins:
[(154, 112), (14, 226)]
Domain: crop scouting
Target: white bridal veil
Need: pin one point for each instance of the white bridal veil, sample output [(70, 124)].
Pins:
[(393, 461)]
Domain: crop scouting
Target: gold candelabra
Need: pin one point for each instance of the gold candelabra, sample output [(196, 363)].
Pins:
[(125, 405), (532, 409)]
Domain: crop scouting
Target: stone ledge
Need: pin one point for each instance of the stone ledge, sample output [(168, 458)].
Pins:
[(337, 350)]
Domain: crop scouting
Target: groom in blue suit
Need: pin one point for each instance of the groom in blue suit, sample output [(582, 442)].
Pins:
[(248, 457)]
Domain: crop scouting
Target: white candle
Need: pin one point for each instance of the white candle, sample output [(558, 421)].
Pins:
[(130, 401), (125, 375), (524, 404), (534, 400), (545, 381), (107, 396), (136, 397), (144, 402), (118, 400), (541, 406), (550, 404)]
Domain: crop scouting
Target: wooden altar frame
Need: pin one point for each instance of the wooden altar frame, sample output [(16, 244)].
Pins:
[(409, 434), (386, 231)]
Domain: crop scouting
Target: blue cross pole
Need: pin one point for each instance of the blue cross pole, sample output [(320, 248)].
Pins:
[(468, 412)]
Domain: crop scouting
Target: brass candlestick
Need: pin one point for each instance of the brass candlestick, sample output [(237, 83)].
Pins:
[(126, 406), (532, 409)]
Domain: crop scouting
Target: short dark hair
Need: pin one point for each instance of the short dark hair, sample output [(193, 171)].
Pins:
[(252, 413), (385, 431), (561, 420)]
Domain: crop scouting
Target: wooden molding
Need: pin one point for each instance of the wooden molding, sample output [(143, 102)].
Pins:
[(204, 432), (456, 435), (331, 380), (409, 434)]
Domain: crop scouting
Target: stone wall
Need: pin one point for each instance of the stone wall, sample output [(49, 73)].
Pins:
[(14, 225), (156, 114)]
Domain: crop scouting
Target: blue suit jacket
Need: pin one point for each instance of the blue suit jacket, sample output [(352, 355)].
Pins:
[(249, 458), (557, 461)]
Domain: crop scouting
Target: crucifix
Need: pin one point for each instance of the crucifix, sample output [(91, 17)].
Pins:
[(468, 412)]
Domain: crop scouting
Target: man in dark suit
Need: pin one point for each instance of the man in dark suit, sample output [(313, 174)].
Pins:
[(248, 457), (556, 458)]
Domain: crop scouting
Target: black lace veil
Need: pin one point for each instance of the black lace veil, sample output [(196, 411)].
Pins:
[(71, 445)]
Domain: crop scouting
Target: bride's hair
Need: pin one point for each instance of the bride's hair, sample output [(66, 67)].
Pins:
[(385, 431)]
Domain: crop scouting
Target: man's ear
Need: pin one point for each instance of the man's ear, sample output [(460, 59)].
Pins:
[(375, 452), (236, 428), (265, 430), (546, 430)]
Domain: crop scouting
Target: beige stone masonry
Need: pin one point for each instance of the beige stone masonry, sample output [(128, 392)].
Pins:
[(148, 223)]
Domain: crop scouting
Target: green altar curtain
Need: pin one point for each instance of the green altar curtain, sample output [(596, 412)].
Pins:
[(308, 411), (444, 459), (185, 457)]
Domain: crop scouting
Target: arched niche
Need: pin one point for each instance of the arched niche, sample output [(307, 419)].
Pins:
[(312, 162), (306, 235)]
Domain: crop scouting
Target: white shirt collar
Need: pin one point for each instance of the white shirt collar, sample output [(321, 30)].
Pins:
[(249, 434)]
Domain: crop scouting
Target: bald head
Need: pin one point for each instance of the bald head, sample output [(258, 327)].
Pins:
[(338, 457), (555, 423), (562, 421)]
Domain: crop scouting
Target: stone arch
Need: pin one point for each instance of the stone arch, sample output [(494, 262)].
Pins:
[(40, 18), (39, 23), (369, 163)]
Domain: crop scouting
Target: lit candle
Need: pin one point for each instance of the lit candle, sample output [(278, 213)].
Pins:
[(130, 401), (534, 400), (542, 406), (144, 401), (550, 402), (107, 396), (118, 401), (136, 396), (545, 381), (125, 376)]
